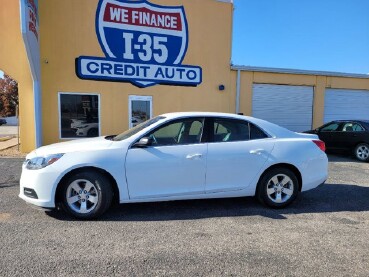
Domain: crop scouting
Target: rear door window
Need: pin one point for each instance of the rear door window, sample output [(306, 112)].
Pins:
[(256, 132), (228, 130)]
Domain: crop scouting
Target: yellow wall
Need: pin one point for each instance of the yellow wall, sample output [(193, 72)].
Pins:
[(67, 31), (320, 83), (13, 61)]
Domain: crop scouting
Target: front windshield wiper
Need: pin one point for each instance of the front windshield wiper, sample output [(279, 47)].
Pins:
[(111, 137)]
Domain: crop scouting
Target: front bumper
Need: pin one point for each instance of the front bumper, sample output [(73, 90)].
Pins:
[(38, 187)]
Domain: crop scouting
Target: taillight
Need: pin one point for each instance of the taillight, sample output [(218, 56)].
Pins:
[(320, 144)]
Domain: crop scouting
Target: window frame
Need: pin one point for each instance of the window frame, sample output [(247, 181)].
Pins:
[(207, 130), (138, 98), (60, 93)]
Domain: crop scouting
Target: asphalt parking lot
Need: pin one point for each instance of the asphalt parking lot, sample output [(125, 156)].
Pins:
[(324, 233)]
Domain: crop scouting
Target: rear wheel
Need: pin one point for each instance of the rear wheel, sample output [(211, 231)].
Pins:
[(278, 188), (86, 195), (361, 152)]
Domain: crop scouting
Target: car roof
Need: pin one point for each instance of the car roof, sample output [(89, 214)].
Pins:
[(354, 120), (203, 114), (272, 129)]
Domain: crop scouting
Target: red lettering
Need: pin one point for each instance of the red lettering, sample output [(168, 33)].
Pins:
[(33, 6), (32, 17), (142, 17), (32, 28)]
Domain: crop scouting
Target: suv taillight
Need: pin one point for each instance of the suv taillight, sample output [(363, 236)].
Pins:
[(320, 144)]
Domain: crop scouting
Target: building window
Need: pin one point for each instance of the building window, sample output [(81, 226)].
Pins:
[(140, 109), (79, 115)]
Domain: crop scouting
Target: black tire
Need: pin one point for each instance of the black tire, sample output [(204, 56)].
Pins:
[(361, 152), (280, 198), (93, 132), (95, 190)]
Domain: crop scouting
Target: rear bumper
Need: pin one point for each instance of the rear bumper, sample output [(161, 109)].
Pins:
[(315, 173)]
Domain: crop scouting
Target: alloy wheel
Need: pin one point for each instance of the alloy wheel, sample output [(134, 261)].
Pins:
[(362, 152), (280, 188), (82, 196)]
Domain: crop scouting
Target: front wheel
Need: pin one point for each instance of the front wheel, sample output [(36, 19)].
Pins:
[(86, 194), (278, 188), (361, 152)]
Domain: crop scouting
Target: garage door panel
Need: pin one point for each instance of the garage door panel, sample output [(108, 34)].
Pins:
[(288, 106), (346, 104)]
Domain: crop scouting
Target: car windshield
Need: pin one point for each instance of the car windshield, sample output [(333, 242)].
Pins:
[(137, 129)]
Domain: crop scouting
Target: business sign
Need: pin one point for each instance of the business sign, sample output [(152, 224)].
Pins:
[(143, 43), (30, 33)]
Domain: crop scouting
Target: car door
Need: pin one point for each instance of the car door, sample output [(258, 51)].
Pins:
[(173, 165), (331, 134), (237, 152), (352, 134)]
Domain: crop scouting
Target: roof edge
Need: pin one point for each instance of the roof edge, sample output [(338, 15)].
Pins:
[(299, 71)]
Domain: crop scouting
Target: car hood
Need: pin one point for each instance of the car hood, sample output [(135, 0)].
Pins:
[(79, 145)]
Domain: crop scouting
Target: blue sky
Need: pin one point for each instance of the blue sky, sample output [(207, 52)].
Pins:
[(328, 35)]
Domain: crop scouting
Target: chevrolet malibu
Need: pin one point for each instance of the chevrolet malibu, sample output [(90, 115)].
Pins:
[(174, 157)]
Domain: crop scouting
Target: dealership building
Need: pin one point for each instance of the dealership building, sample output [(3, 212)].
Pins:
[(97, 67)]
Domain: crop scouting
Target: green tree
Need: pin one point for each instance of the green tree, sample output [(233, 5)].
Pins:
[(8, 96)]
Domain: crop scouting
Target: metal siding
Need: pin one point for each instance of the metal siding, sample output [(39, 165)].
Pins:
[(288, 106), (346, 104)]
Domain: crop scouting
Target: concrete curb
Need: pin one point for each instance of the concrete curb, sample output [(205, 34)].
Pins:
[(8, 143), (6, 138)]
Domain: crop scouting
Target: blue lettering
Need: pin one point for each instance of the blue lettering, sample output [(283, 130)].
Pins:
[(181, 70), (191, 75), (118, 69), (169, 74), (106, 67), (129, 70), (145, 68), (159, 72), (90, 69)]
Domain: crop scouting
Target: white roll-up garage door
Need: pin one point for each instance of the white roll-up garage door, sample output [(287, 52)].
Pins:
[(287, 106), (346, 104)]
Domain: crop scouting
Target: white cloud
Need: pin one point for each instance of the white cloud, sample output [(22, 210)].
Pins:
[(1, 74)]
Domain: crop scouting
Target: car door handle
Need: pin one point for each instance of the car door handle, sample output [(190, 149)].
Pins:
[(257, 151), (193, 156)]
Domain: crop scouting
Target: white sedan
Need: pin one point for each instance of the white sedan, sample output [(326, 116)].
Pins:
[(173, 157)]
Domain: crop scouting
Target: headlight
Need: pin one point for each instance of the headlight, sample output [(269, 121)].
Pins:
[(41, 162)]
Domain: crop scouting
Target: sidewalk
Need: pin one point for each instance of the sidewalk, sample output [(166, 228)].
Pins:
[(7, 142)]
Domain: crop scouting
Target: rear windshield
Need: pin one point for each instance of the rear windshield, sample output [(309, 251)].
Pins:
[(137, 128)]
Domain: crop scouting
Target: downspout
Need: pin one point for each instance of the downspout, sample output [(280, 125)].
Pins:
[(238, 91), (38, 113)]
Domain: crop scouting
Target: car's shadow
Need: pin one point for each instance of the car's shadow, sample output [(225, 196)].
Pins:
[(325, 199), (342, 158)]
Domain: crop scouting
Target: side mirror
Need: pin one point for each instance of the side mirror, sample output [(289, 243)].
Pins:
[(143, 142)]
